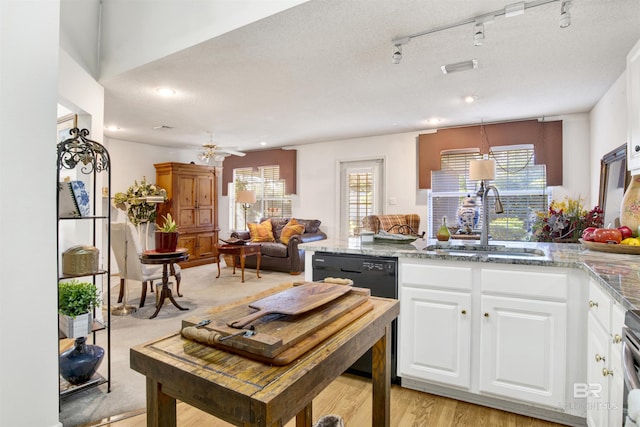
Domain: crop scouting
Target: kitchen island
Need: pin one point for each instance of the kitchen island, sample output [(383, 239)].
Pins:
[(536, 333)]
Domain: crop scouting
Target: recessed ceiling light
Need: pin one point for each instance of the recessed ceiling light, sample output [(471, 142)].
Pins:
[(165, 91), (112, 128), (433, 121), (263, 143), (469, 99)]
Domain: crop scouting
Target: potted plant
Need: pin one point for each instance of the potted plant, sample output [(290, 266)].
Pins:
[(76, 301), (167, 235)]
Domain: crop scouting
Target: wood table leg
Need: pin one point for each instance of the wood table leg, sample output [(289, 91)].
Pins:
[(161, 408), (218, 262), (242, 259), (259, 256), (304, 418), (165, 293), (381, 379)]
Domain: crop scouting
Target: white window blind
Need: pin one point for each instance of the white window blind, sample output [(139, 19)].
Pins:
[(271, 200), (521, 183)]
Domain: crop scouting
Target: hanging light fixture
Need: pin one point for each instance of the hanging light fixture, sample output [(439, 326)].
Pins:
[(478, 34), (565, 15), (397, 49)]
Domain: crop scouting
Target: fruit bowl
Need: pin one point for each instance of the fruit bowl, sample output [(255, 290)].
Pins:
[(611, 247)]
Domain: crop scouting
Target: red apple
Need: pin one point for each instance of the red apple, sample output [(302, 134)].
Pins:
[(626, 232)]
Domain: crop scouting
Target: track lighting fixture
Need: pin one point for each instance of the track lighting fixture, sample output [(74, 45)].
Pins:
[(478, 34), (479, 22), (397, 54), (565, 16)]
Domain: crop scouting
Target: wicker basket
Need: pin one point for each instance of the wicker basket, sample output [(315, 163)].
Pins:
[(79, 260)]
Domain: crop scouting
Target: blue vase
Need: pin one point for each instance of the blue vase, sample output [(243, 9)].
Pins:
[(78, 364)]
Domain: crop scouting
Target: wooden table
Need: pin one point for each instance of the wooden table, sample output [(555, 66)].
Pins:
[(165, 258), (245, 392), (240, 252)]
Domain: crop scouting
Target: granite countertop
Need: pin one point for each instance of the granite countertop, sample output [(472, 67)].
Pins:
[(618, 275)]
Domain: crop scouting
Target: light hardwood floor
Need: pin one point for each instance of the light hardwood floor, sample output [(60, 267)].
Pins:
[(350, 397)]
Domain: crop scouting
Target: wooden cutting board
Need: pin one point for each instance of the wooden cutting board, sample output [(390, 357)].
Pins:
[(294, 301), (279, 339)]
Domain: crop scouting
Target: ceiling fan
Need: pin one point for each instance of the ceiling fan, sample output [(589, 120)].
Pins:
[(216, 152)]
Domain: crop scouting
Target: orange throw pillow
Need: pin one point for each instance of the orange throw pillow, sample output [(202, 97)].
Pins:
[(262, 232), (291, 229)]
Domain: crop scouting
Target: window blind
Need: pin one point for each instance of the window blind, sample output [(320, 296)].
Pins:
[(521, 183), (271, 200)]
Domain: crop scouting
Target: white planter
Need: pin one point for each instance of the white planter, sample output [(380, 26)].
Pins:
[(77, 327)]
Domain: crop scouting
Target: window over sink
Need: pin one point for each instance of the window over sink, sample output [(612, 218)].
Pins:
[(522, 185)]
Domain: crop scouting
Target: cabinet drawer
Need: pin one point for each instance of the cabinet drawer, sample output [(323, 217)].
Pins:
[(533, 284), (437, 276), (600, 305)]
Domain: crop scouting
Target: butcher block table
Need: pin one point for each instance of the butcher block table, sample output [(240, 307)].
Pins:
[(246, 392)]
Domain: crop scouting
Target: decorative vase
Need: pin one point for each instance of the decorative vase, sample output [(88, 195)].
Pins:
[(630, 206), (166, 242), (78, 364), (468, 214), (443, 233)]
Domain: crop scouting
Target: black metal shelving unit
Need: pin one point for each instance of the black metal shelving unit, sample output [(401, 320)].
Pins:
[(88, 158)]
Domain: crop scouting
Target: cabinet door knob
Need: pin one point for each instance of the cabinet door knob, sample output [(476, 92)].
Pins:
[(599, 358), (617, 339), (486, 315), (606, 372), (593, 304), (464, 312)]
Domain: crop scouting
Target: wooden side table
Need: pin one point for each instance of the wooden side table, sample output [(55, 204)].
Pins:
[(165, 258), (245, 392), (239, 252)]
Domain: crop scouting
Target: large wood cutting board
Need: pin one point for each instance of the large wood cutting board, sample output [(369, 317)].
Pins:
[(278, 339), (294, 301)]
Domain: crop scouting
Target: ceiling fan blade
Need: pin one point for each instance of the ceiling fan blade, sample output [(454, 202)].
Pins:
[(224, 150)]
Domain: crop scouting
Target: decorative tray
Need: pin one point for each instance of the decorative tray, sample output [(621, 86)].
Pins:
[(394, 239), (611, 248), (155, 254)]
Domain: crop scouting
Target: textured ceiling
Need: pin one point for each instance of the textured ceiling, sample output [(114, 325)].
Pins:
[(322, 71)]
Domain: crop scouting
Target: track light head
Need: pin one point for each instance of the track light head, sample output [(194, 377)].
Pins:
[(565, 15), (478, 34), (397, 54)]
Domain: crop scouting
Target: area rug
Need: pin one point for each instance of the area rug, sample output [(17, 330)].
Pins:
[(201, 292)]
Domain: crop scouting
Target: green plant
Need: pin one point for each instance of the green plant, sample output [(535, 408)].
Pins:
[(76, 298), (170, 225)]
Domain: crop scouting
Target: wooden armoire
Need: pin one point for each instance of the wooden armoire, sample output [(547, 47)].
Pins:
[(192, 200)]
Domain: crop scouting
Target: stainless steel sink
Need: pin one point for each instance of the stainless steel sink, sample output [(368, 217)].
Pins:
[(491, 251)]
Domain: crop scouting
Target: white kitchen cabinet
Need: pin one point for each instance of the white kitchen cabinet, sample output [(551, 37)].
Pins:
[(438, 326), (435, 323), (633, 109), (491, 333), (605, 382), (523, 349)]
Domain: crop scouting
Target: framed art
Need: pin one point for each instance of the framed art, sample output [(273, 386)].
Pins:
[(65, 124)]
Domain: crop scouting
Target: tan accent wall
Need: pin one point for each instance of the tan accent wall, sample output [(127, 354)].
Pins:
[(546, 138)]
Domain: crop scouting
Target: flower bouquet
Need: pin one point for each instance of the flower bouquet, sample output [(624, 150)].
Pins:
[(565, 221), (135, 201)]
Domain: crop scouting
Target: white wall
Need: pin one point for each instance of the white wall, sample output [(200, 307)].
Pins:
[(28, 318), (608, 127), (138, 32)]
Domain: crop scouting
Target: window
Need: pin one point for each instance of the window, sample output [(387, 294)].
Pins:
[(521, 183), (361, 193), (271, 200)]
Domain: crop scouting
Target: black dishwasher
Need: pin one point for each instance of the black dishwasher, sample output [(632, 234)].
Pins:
[(380, 275)]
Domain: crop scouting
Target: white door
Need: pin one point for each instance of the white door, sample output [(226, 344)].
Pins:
[(436, 336), (523, 349), (361, 193)]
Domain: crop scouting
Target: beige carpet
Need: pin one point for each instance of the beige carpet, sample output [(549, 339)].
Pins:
[(201, 291)]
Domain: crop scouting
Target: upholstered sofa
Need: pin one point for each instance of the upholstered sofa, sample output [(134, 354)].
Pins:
[(278, 256), (393, 223)]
